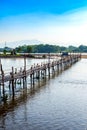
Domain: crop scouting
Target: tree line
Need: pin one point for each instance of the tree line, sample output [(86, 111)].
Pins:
[(44, 48), (41, 48)]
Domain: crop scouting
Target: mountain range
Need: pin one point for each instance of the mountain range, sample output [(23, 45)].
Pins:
[(20, 43)]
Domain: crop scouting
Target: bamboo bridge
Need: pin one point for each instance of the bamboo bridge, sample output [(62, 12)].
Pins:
[(34, 73)]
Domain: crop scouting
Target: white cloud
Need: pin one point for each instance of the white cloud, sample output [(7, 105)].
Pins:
[(66, 29)]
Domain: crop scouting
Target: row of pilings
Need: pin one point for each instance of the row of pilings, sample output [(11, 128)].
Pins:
[(35, 73)]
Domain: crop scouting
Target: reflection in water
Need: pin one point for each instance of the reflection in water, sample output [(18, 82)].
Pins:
[(18, 100), (21, 99), (56, 104), (22, 96)]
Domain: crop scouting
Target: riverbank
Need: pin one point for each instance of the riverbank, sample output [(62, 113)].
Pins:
[(84, 56), (37, 56), (16, 56)]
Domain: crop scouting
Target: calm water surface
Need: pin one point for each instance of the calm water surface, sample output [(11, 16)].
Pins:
[(56, 104), (19, 62)]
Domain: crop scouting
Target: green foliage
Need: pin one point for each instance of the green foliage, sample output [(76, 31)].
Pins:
[(46, 48), (29, 49), (83, 48), (13, 52), (38, 48), (4, 52)]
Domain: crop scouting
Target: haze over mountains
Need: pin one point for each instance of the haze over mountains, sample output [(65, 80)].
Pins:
[(36, 46), (20, 43), (15, 44)]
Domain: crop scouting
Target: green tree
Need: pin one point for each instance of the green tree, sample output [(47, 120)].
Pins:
[(4, 51), (13, 52), (29, 49)]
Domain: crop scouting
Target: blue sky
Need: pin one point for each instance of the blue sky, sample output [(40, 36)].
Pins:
[(52, 21)]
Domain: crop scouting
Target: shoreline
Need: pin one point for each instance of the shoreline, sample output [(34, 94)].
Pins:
[(84, 56)]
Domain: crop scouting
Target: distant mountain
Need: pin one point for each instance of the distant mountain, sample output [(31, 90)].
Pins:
[(20, 43), (5, 48)]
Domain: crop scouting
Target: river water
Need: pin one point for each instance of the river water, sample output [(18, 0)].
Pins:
[(56, 104)]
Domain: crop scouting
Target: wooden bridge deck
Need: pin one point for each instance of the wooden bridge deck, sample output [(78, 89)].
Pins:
[(21, 74), (38, 69)]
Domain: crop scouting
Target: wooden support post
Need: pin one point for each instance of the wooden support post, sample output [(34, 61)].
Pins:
[(15, 70), (41, 74), (0, 65), (20, 72), (38, 74), (45, 72), (25, 68), (49, 70), (15, 83), (9, 85), (24, 62), (71, 60), (58, 66), (15, 79), (0, 74), (24, 77), (12, 78), (33, 78), (23, 82), (64, 64), (0, 90), (68, 62), (61, 64), (3, 89), (52, 68)]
